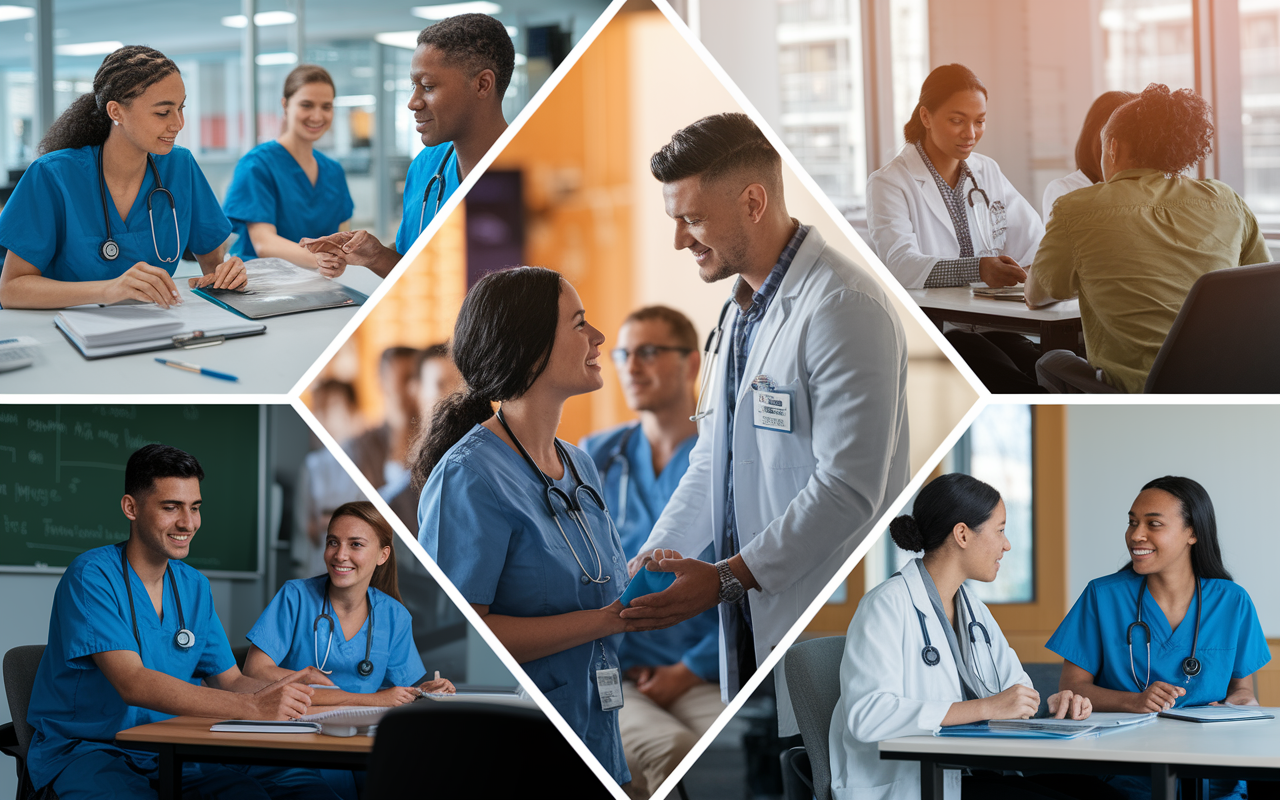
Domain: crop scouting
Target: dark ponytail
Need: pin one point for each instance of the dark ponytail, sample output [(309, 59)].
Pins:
[(942, 504), (124, 75), (941, 84), (1197, 514), (1089, 145), (501, 343)]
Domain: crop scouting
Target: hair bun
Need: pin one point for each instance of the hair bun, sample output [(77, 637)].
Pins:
[(906, 534)]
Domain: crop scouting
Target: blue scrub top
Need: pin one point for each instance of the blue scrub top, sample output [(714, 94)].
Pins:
[(696, 642), (1232, 645), (485, 521), (270, 186), (426, 165), (54, 218), (72, 700), (285, 633)]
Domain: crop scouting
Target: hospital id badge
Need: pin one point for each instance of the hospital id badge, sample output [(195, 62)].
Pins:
[(609, 683), (771, 410)]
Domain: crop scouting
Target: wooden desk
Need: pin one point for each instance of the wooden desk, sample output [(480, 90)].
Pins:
[(1058, 325), (188, 739), (1164, 750)]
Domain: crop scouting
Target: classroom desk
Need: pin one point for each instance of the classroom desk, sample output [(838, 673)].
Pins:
[(268, 364), (188, 739), (1058, 325), (1165, 750)]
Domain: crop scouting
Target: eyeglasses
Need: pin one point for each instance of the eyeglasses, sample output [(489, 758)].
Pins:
[(645, 352)]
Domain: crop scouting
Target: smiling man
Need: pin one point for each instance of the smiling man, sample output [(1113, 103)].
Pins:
[(460, 72), (804, 438), (134, 639)]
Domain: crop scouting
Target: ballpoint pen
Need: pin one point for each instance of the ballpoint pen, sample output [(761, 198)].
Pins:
[(197, 368)]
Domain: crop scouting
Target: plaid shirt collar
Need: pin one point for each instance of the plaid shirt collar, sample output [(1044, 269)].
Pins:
[(754, 304)]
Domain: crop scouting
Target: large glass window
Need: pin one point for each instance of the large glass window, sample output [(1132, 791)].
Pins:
[(17, 91), (1147, 41), (1260, 98)]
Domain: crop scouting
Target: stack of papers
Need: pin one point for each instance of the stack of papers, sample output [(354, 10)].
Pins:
[(263, 726), (1222, 713), (1096, 725), (115, 330), (1002, 293), (362, 720)]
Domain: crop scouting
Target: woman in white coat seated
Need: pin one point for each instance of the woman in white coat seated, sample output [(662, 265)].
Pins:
[(942, 215), (1088, 151), (914, 662)]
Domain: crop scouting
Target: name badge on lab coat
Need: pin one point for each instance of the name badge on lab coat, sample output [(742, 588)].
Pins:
[(772, 409), (609, 682)]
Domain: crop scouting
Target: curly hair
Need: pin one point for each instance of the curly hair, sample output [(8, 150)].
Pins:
[(124, 75), (478, 42), (1165, 130)]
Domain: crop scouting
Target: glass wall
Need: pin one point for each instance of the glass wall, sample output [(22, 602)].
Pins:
[(1260, 89)]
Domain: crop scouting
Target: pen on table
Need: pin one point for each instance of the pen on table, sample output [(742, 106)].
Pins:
[(197, 368)]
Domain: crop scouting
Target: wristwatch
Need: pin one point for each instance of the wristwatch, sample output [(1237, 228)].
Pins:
[(731, 589)]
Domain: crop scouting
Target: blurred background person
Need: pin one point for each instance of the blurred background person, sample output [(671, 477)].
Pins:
[(435, 377), (671, 676), (323, 484), (382, 452), (1088, 151)]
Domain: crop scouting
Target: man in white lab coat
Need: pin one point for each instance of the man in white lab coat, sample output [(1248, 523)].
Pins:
[(804, 420)]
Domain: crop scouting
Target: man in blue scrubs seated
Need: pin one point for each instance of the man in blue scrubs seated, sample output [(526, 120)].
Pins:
[(132, 635), (672, 675), (460, 72), (107, 212)]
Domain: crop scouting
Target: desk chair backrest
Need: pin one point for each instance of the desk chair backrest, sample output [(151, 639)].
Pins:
[(813, 681), (461, 749), (1226, 338), (20, 666)]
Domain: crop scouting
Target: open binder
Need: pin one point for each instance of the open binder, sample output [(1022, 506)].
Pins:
[(278, 287), (101, 332)]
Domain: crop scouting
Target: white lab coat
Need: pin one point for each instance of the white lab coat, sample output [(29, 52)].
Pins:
[(911, 229), (888, 691), (803, 500), (1060, 186)]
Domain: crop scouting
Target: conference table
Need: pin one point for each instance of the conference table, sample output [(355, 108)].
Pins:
[(1057, 325), (1164, 750), (270, 363)]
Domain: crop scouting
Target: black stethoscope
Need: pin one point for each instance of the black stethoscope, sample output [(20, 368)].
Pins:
[(930, 655), (572, 504), (438, 182), (109, 250), (1190, 664), (364, 668), (618, 456), (985, 227), (184, 638)]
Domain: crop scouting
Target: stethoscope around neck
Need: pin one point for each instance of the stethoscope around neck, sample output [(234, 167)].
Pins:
[(1190, 664), (437, 182), (619, 457), (183, 639), (710, 361), (982, 220), (930, 655), (109, 250), (573, 506), (365, 667)]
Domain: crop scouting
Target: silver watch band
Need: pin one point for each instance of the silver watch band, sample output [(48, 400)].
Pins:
[(731, 589)]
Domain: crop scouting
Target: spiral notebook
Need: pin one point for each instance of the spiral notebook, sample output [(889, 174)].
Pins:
[(102, 331)]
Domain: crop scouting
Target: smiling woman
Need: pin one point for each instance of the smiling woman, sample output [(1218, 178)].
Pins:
[(89, 222)]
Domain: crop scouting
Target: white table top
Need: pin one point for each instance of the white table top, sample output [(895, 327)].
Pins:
[(961, 298), (1165, 741), (268, 364)]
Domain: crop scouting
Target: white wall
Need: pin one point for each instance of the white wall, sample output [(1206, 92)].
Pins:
[(1231, 450)]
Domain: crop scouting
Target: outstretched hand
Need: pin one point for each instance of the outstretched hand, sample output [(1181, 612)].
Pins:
[(696, 588)]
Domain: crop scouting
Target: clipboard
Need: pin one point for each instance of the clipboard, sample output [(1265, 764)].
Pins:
[(276, 287)]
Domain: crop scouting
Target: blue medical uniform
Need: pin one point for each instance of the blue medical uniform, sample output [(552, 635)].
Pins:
[(484, 518), (269, 185), (54, 218), (695, 642), (75, 710), (1232, 645), (426, 165)]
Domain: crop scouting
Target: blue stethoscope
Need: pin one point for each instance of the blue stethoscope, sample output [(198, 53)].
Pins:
[(184, 639), (573, 506), (1190, 664), (437, 181), (365, 667), (930, 654), (618, 456), (109, 250)]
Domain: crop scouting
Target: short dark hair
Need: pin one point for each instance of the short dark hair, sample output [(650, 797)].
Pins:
[(154, 461), (716, 146), (681, 328), (943, 503), (1089, 145), (437, 350), (335, 387), (478, 42), (394, 352)]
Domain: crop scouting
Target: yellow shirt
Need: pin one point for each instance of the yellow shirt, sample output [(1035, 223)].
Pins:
[(1131, 248)]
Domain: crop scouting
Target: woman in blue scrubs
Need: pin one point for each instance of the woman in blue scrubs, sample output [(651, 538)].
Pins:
[(1176, 585), (285, 190), (545, 578), (108, 210)]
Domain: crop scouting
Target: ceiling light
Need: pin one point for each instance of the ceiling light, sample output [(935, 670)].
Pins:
[(453, 9), (10, 13), (348, 100), (262, 19), (406, 39), (88, 48), (275, 59)]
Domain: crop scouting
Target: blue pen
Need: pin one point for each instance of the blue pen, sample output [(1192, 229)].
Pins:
[(196, 368)]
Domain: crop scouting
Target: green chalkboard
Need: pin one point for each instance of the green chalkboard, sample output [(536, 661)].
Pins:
[(62, 477)]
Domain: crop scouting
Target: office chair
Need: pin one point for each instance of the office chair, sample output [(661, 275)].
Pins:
[(813, 681), (20, 666), (462, 749), (1226, 337)]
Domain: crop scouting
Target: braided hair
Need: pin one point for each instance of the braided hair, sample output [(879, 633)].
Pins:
[(124, 75)]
